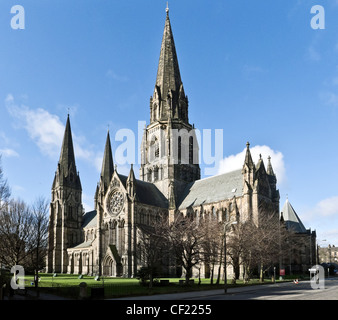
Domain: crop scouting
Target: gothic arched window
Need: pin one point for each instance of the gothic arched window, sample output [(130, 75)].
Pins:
[(155, 112), (155, 173), (149, 174)]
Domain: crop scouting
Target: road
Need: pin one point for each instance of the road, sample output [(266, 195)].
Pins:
[(282, 291), (278, 291)]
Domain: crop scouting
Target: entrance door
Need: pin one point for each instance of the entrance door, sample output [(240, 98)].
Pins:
[(108, 266)]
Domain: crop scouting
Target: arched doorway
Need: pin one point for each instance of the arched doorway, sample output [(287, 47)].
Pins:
[(108, 266)]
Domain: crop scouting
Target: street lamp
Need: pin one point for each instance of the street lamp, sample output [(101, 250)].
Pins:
[(226, 225)]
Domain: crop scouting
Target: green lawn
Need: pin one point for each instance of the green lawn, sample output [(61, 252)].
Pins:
[(68, 285)]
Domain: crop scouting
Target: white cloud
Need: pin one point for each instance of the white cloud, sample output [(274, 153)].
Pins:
[(46, 130), (327, 207), (234, 162), (8, 153)]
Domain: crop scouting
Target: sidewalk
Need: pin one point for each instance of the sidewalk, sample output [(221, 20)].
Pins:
[(205, 293), (31, 295)]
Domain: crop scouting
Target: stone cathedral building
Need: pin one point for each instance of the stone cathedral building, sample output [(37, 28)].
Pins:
[(104, 241)]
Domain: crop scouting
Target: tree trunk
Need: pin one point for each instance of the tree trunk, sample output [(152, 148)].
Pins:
[(187, 275), (212, 274), (220, 263), (261, 274)]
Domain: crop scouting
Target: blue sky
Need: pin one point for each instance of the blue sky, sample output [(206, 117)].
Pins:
[(255, 69)]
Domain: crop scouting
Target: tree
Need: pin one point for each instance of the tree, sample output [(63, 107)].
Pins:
[(5, 192), (212, 244), (186, 239), (39, 239), (15, 233), (152, 247), (239, 247)]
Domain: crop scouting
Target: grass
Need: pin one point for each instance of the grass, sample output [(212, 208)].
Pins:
[(68, 285)]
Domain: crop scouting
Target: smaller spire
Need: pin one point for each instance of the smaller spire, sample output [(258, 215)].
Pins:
[(248, 159), (167, 9), (131, 176), (269, 168), (131, 182)]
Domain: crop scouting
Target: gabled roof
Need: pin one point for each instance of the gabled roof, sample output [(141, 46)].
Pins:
[(213, 189), (291, 218)]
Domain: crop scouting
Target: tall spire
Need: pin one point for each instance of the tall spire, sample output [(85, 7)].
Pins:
[(169, 91), (67, 158), (168, 73), (107, 163)]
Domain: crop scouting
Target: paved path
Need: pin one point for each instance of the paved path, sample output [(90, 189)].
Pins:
[(278, 291)]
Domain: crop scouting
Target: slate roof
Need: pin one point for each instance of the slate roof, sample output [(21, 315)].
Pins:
[(147, 193), (83, 245), (291, 218), (89, 219), (213, 189)]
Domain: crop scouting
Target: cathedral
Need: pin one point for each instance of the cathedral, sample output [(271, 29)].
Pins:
[(104, 241)]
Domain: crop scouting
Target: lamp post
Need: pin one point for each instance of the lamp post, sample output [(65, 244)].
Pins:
[(226, 225)]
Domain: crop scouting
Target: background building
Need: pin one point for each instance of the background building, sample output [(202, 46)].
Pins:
[(302, 242)]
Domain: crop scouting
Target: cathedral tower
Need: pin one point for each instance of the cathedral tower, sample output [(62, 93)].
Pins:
[(65, 208), (169, 151)]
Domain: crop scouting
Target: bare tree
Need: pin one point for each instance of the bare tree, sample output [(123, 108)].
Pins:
[(239, 247), (258, 245), (5, 192), (39, 239), (186, 239), (152, 246), (212, 244), (15, 232)]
